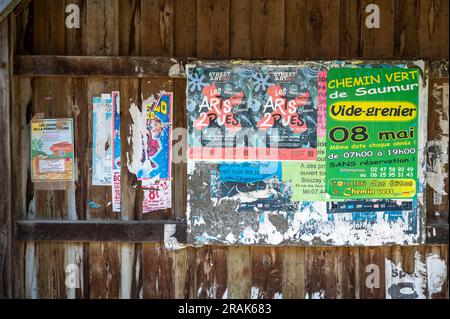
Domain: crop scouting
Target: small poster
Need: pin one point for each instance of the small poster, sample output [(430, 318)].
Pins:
[(115, 163), (252, 112), (52, 150), (101, 140), (372, 133), (155, 170)]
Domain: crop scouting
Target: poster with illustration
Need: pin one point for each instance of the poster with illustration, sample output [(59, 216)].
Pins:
[(252, 112), (101, 140), (52, 150), (156, 161)]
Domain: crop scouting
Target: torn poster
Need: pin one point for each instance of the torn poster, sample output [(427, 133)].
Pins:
[(115, 163), (52, 150), (156, 162), (262, 201), (101, 140), (246, 112)]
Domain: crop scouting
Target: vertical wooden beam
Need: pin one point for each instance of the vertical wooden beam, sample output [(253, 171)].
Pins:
[(7, 254)]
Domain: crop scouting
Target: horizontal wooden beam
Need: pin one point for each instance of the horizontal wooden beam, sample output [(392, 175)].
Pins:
[(99, 230), (98, 66)]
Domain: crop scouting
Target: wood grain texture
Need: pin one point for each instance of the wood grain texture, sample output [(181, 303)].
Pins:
[(266, 273), (294, 272), (211, 272), (240, 29), (7, 254), (238, 271), (185, 28), (378, 42), (157, 27), (268, 28), (213, 28), (323, 28), (296, 30), (206, 29)]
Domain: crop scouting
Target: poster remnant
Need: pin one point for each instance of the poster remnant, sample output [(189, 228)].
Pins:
[(362, 185), (52, 150), (252, 112), (115, 151), (101, 140)]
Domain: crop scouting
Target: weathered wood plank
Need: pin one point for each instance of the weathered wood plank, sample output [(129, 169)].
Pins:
[(437, 160), (185, 28), (372, 272), (99, 230), (130, 28), (85, 66), (238, 270), (211, 272), (266, 272), (48, 20), (157, 272), (406, 25), (293, 272), (433, 28), (296, 31), (184, 264), (157, 27), (268, 28), (350, 29), (75, 38), (347, 273), (240, 29), (7, 254), (378, 42), (213, 28), (102, 27), (50, 99), (323, 28), (104, 269)]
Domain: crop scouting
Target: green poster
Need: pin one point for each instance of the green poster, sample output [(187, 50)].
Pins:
[(372, 133)]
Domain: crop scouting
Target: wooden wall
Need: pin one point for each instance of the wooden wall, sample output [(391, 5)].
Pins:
[(218, 29)]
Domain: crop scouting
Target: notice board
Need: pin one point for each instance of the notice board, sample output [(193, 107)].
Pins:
[(311, 153)]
